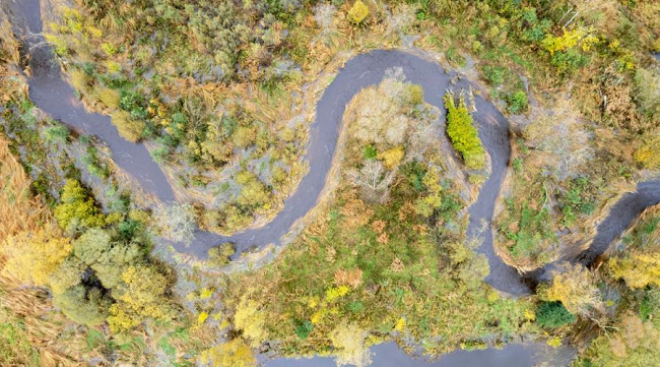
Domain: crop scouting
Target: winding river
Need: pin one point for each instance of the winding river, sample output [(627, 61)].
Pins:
[(52, 94)]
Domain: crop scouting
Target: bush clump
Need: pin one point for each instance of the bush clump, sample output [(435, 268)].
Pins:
[(552, 315), (220, 255), (359, 11)]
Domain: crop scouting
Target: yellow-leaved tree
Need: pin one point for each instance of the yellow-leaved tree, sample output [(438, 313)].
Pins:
[(142, 295), (251, 321), (33, 256), (576, 289)]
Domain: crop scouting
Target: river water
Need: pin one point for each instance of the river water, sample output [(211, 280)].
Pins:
[(56, 97)]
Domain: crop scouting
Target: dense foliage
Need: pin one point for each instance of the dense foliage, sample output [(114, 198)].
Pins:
[(463, 134)]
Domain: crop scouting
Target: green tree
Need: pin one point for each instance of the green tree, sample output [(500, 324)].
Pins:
[(462, 133), (108, 260), (76, 209)]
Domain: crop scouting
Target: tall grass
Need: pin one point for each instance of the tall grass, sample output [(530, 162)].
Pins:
[(19, 210)]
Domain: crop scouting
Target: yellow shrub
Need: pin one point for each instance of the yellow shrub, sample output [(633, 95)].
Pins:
[(359, 11), (638, 270), (234, 353), (392, 157), (564, 42), (649, 154), (129, 129), (251, 320), (108, 96)]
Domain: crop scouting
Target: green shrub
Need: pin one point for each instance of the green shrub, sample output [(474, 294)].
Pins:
[(517, 102), (462, 133), (494, 74), (416, 94), (219, 255), (553, 315), (58, 133)]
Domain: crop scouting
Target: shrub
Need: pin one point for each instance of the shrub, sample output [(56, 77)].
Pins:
[(80, 81), (129, 128), (56, 134), (647, 92), (349, 343), (462, 133), (219, 255), (416, 94), (251, 321), (517, 102), (648, 155), (575, 288), (553, 315), (358, 12), (108, 96), (244, 136), (392, 157), (234, 353)]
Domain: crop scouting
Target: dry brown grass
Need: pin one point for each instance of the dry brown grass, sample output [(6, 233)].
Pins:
[(19, 210), (19, 305)]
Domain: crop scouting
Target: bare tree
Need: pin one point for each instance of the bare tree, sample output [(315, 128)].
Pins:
[(176, 222), (373, 179)]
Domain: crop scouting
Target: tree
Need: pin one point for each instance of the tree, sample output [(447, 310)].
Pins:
[(85, 306), (76, 209), (141, 295), (638, 269), (575, 288), (462, 133), (108, 260), (251, 321), (348, 340), (234, 353), (373, 179), (68, 275), (33, 256), (253, 193), (177, 222), (358, 12)]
